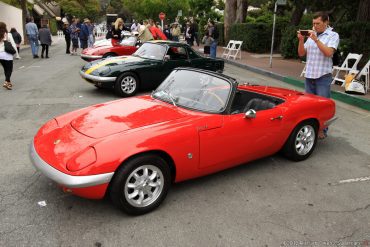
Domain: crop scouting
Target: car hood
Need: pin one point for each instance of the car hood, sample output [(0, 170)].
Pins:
[(123, 115), (112, 61)]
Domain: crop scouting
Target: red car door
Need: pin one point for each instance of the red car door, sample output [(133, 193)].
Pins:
[(241, 139)]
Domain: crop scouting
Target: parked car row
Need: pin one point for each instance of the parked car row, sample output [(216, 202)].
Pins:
[(196, 122)]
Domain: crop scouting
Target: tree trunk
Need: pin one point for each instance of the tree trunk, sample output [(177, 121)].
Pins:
[(297, 13), (24, 16), (229, 16), (363, 13), (241, 11)]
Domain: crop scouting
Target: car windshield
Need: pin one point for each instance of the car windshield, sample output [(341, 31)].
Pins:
[(128, 41), (194, 90), (151, 51)]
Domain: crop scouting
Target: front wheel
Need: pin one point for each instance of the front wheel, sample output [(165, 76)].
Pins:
[(302, 141), (141, 184), (126, 84)]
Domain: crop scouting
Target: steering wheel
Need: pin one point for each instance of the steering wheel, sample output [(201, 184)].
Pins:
[(218, 98)]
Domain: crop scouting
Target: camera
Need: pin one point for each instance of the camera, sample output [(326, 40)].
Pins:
[(304, 32)]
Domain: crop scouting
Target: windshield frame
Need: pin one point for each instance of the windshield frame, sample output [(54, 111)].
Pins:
[(209, 73), (151, 43)]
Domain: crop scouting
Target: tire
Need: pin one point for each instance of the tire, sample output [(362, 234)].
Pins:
[(302, 141), (126, 84), (106, 55), (135, 179)]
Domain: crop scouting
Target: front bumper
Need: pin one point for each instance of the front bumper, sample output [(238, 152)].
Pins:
[(66, 180), (95, 78), (330, 121), (90, 57)]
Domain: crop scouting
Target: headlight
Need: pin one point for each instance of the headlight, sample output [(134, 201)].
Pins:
[(49, 126), (82, 160), (104, 71)]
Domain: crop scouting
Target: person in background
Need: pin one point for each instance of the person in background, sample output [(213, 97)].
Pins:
[(6, 59), (189, 34), (207, 41), (84, 34), (156, 32), (45, 40), (135, 26), (91, 38), (17, 39), (213, 32), (319, 48), (117, 30), (175, 31), (67, 37), (167, 32), (194, 26), (33, 33), (144, 33), (74, 36)]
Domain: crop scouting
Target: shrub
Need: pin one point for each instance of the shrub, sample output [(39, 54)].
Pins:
[(256, 37), (289, 42)]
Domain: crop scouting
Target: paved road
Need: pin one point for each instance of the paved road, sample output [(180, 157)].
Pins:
[(263, 203)]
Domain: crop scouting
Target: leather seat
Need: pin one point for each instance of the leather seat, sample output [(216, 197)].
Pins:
[(258, 104)]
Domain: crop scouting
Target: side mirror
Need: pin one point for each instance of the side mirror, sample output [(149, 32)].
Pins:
[(250, 114), (167, 58)]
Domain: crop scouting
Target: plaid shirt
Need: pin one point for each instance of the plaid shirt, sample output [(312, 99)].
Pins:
[(317, 63)]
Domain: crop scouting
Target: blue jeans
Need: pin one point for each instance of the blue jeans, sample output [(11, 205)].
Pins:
[(319, 86), (34, 43), (213, 49)]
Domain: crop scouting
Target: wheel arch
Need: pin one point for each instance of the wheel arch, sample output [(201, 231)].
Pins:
[(105, 55), (164, 155)]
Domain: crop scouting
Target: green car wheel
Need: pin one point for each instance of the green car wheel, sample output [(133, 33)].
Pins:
[(126, 84)]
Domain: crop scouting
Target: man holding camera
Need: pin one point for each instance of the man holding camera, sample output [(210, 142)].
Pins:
[(319, 49)]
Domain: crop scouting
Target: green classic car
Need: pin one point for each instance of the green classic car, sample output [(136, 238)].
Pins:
[(146, 68)]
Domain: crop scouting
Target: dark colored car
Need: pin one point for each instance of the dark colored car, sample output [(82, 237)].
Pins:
[(146, 68)]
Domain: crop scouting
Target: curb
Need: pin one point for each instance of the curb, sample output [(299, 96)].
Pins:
[(340, 96)]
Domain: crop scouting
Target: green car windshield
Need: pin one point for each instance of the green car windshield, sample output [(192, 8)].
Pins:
[(194, 90), (151, 51)]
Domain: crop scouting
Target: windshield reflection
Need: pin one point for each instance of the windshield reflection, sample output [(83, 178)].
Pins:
[(194, 90), (151, 51)]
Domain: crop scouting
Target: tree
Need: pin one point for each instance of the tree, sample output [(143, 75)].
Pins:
[(229, 16), (88, 8), (363, 13), (241, 10)]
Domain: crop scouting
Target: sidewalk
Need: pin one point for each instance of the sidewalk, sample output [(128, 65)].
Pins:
[(289, 70)]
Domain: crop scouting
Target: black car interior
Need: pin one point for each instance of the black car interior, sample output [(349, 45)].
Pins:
[(246, 100)]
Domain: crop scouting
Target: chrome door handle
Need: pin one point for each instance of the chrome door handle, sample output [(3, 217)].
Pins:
[(276, 118)]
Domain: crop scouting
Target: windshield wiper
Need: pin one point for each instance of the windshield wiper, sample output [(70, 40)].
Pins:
[(167, 93)]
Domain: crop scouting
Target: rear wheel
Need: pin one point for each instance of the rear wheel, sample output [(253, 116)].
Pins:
[(302, 141), (126, 84), (141, 184)]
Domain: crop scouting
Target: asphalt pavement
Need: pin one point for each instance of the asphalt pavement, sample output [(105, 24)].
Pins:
[(322, 201)]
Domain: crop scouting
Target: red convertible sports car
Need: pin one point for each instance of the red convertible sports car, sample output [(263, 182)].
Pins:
[(195, 123), (104, 49)]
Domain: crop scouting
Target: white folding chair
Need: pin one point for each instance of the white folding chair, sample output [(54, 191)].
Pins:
[(338, 70), (303, 71), (235, 50), (365, 71), (227, 48)]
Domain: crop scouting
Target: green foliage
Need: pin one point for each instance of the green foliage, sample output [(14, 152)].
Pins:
[(53, 26), (144, 9), (256, 37), (82, 9), (354, 38), (289, 42)]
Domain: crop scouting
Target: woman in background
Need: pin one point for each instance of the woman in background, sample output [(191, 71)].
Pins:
[(6, 59), (17, 40), (45, 40)]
